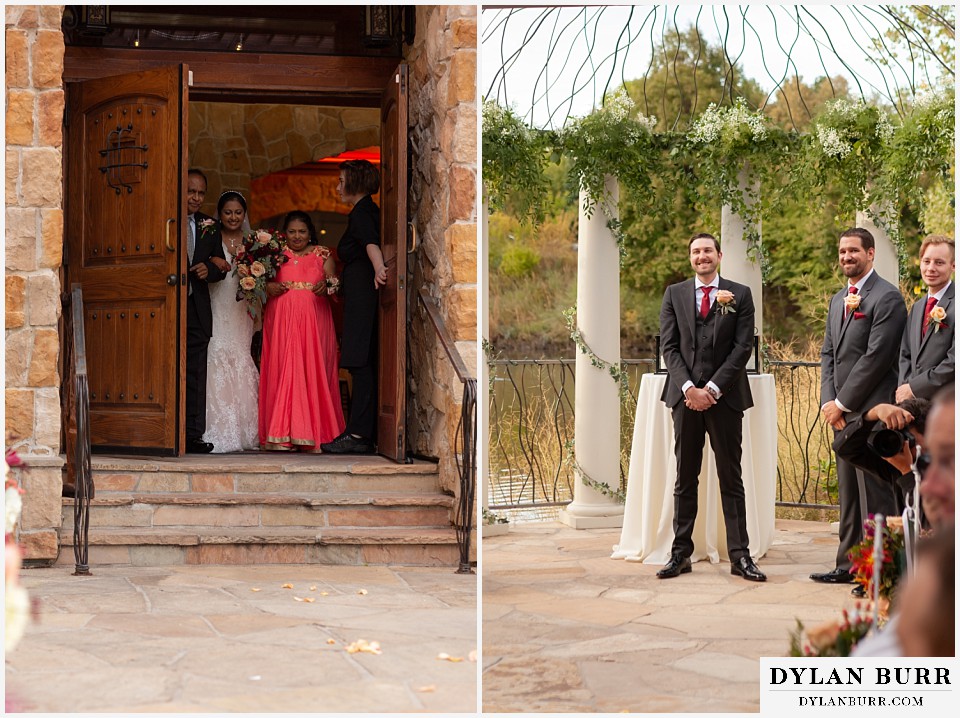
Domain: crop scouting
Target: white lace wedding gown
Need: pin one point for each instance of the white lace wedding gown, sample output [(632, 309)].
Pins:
[(232, 378)]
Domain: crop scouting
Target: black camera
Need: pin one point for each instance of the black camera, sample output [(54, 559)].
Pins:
[(889, 442)]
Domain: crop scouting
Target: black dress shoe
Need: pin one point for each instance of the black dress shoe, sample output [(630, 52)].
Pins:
[(347, 444), (858, 591), (674, 567), (746, 568), (837, 575), (197, 446)]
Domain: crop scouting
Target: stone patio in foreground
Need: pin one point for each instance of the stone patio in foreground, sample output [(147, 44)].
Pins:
[(201, 639), (567, 629)]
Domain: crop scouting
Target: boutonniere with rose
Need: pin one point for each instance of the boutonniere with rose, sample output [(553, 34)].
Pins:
[(937, 318), (852, 304), (726, 302), (208, 226)]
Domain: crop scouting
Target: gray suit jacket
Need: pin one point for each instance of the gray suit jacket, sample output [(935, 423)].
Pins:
[(927, 364), (732, 342), (858, 361)]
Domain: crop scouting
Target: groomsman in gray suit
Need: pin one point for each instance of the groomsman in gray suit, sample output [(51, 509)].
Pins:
[(858, 367), (926, 352)]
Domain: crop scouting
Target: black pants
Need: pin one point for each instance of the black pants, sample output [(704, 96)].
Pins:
[(196, 399), (725, 428), (363, 401), (861, 493)]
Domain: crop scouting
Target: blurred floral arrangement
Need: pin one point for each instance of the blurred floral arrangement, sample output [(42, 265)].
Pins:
[(834, 638), (894, 557), (16, 599)]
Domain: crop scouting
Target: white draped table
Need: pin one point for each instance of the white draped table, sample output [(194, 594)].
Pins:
[(647, 533)]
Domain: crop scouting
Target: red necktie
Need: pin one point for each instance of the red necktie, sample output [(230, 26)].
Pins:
[(852, 290), (931, 303), (705, 302)]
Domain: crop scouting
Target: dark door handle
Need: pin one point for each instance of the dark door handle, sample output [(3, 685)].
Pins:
[(172, 280)]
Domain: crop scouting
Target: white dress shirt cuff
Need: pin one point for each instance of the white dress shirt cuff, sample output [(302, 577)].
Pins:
[(711, 385), (686, 385), (839, 406)]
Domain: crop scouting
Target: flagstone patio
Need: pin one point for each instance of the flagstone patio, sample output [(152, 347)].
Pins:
[(567, 629), (232, 639)]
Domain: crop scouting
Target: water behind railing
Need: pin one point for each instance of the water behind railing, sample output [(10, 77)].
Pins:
[(532, 424)]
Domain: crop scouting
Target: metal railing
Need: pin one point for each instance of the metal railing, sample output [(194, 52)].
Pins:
[(532, 426), (466, 436), (531, 432), (78, 456)]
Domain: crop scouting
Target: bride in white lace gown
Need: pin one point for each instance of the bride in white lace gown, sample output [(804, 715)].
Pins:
[(232, 377)]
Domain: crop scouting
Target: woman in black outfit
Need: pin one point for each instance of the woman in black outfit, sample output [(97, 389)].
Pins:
[(364, 272)]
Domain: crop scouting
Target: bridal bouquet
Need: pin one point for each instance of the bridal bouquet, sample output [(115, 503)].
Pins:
[(256, 263)]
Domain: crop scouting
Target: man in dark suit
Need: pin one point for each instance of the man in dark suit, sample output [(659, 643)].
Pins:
[(926, 351), (706, 338), (858, 370), (202, 270)]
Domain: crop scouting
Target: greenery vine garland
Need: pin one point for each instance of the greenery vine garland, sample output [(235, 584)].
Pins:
[(614, 140), (617, 372), (514, 157), (871, 158), (730, 144), (618, 495)]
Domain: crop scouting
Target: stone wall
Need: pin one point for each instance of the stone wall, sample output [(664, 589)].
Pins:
[(234, 143), (443, 208), (33, 248)]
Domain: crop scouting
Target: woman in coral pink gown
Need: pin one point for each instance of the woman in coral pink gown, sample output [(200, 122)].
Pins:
[(299, 375)]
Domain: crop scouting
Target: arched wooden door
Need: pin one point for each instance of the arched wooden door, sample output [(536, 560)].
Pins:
[(392, 378), (124, 203)]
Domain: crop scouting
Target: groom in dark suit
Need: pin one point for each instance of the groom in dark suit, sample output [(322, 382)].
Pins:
[(858, 370), (201, 271), (926, 351), (706, 338)]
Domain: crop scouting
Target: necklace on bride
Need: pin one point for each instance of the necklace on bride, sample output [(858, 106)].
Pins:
[(233, 244)]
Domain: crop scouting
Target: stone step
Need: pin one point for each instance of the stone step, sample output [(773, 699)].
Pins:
[(336, 545), (262, 473), (265, 507), (136, 510)]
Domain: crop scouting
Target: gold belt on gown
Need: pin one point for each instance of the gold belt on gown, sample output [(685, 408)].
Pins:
[(299, 285)]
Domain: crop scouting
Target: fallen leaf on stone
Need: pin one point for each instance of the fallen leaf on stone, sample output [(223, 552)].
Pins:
[(448, 657), (254, 589), (472, 656), (304, 600), (362, 646), (331, 642), (254, 678), (287, 585), (313, 588), (362, 592), (427, 689), (324, 593)]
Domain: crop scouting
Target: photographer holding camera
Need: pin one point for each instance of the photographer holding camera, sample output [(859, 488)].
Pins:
[(883, 441)]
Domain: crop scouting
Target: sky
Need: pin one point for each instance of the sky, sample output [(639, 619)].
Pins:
[(835, 41)]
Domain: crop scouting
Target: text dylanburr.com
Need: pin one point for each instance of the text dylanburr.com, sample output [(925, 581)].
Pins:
[(847, 686)]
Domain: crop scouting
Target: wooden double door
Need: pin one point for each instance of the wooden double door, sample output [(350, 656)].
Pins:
[(125, 242)]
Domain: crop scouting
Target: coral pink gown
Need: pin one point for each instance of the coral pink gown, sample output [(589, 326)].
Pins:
[(299, 375)]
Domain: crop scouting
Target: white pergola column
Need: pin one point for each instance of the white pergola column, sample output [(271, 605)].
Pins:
[(483, 397), (885, 260), (736, 265), (597, 408)]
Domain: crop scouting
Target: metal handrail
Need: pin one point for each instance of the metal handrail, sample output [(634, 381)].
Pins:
[(84, 489), (466, 436)]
